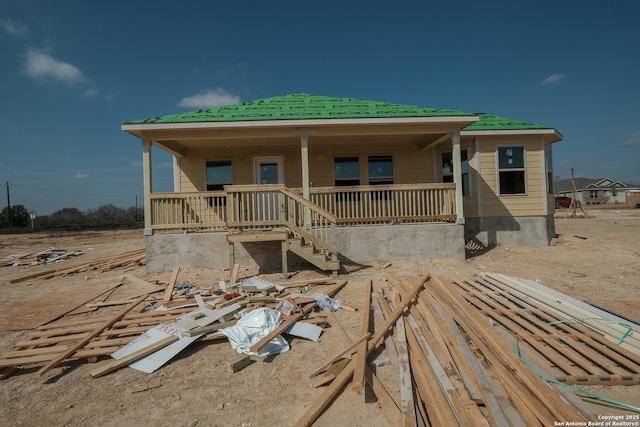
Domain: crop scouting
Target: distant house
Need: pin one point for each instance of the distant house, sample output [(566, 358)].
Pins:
[(595, 191), (339, 179)]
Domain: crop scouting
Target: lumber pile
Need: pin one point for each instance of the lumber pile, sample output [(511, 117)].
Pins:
[(474, 351), (126, 259)]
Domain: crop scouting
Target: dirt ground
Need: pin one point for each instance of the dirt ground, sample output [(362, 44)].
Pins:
[(595, 259)]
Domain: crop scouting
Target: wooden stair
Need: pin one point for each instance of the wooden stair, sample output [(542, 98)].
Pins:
[(309, 252), (291, 241)]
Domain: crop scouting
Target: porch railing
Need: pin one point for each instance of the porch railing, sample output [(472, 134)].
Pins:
[(380, 204), (207, 210), (252, 206)]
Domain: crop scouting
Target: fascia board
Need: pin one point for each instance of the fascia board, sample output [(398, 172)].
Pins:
[(462, 120)]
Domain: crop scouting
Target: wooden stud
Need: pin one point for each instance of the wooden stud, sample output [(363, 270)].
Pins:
[(239, 362), (168, 293), (234, 274), (357, 383)]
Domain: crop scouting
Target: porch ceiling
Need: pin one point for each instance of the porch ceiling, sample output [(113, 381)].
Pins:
[(179, 140)]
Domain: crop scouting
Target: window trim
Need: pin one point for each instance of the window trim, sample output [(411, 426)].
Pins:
[(523, 169)]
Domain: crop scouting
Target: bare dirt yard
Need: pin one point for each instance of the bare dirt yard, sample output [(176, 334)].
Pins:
[(595, 260)]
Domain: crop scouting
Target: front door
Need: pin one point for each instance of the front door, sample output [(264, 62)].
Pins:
[(268, 170)]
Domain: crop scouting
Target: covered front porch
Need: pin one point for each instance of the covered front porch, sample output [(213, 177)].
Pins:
[(355, 223), (325, 170)]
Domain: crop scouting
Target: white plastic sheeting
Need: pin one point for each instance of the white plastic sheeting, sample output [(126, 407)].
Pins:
[(254, 326)]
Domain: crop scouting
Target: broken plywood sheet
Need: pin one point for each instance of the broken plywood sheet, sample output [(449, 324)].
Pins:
[(176, 327)]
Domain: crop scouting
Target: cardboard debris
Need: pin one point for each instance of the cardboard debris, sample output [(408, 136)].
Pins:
[(175, 327)]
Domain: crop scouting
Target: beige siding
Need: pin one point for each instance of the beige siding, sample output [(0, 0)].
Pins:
[(531, 203), (410, 164)]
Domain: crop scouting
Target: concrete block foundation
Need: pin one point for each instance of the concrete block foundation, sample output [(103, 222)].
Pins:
[(361, 244), (518, 231)]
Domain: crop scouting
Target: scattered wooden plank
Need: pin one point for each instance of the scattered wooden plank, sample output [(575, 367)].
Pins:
[(338, 356), (314, 411), (407, 405), (239, 362), (388, 405), (88, 338), (331, 373), (168, 293), (209, 328), (234, 274), (357, 384)]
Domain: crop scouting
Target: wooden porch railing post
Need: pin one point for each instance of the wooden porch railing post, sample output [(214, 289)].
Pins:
[(230, 207)]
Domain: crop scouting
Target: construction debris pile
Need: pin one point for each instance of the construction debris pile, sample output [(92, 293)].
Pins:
[(127, 259), (486, 350), (46, 256)]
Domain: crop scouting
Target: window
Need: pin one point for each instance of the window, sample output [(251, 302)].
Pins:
[(549, 168), (447, 169), (511, 170), (219, 174), (346, 171), (380, 170), (593, 194)]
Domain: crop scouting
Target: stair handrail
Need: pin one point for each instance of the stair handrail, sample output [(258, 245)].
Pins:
[(306, 204)]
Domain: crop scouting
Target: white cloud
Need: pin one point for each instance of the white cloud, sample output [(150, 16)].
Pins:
[(209, 98), (81, 176), (553, 79), (91, 92), (39, 64), (633, 139), (14, 28)]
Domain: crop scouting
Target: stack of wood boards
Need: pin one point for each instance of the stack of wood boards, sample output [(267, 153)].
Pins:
[(126, 259), (476, 352)]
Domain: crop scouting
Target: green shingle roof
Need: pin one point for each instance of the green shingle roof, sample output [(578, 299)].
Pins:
[(302, 106), (491, 122)]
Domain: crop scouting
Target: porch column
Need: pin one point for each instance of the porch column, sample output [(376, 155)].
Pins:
[(304, 155), (457, 176), (146, 174)]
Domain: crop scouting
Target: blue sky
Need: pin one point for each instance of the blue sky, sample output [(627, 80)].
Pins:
[(72, 71)]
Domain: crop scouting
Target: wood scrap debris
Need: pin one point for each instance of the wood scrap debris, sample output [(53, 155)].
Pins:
[(47, 256), (126, 259), (486, 350), (91, 338), (465, 351)]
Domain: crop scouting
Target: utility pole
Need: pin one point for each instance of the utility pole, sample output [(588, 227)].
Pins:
[(9, 205)]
